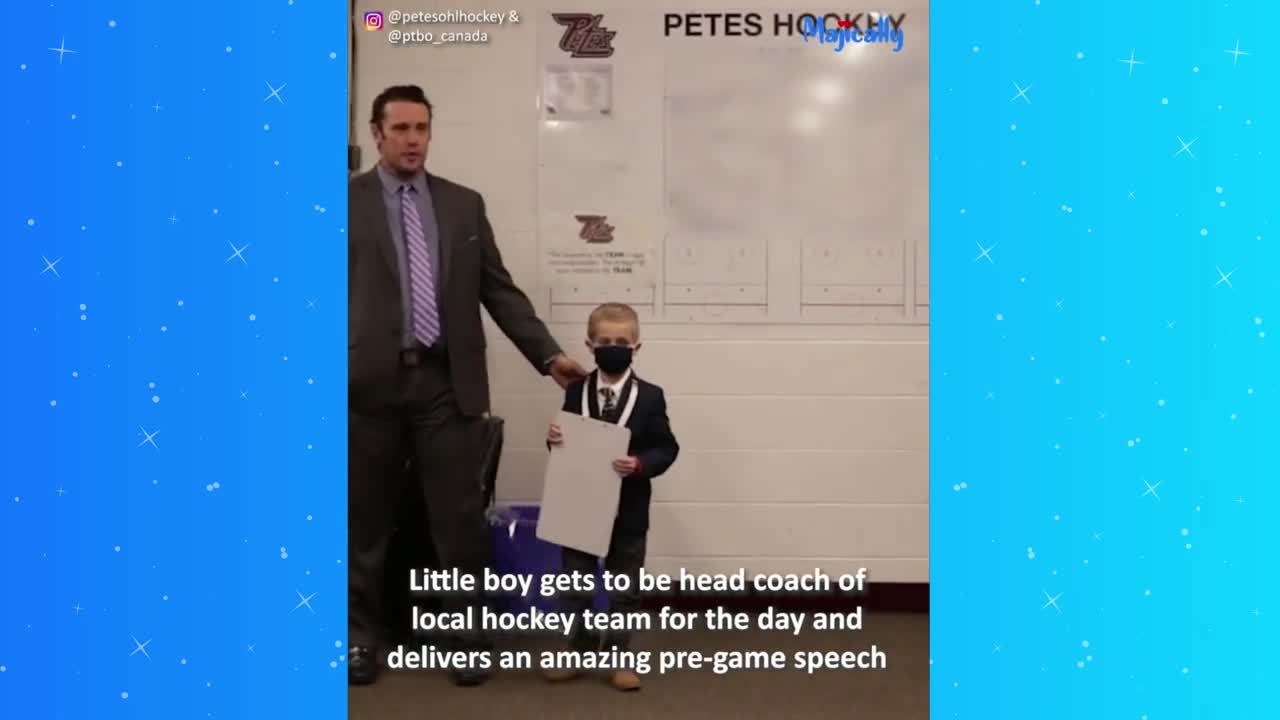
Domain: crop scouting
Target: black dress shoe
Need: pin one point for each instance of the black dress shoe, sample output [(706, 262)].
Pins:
[(470, 677), (362, 667)]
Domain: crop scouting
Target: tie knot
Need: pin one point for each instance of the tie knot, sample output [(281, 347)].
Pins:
[(405, 189), (607, 392)]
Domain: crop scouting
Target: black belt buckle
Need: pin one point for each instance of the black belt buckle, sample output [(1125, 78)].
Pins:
[(419, 356)]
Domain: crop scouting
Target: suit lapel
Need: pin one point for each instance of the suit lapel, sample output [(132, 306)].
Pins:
[(444, 226), (375, 211)]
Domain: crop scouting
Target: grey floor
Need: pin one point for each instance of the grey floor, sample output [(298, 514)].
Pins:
[(899, 692)]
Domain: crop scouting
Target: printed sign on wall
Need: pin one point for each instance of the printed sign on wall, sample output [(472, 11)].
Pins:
[(590, 248)]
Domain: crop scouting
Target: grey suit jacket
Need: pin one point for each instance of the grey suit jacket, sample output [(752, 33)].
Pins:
[(473, 275)]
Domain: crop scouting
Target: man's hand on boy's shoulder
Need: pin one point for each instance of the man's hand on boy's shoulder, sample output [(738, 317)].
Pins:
[(565, 370), (554, 436)]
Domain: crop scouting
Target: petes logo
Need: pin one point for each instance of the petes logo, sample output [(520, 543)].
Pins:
[(594, 228), (583, 36)]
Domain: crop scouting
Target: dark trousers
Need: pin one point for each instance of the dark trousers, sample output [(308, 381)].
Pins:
[(423, 424), (626, 557)]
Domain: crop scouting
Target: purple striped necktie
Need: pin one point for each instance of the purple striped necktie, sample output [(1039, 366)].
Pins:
[(422, 287)]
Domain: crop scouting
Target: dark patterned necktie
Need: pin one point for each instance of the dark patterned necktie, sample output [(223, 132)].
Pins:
[(610, 409)]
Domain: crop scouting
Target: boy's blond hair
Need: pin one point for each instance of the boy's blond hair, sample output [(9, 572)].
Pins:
[(612, 312)]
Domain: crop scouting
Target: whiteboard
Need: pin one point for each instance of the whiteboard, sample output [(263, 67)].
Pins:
[(760, 179)]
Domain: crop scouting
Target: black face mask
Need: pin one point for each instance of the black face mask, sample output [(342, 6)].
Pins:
[(613, 359)]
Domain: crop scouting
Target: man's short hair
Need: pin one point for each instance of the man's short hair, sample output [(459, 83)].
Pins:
[(612, 312), (399, 93)]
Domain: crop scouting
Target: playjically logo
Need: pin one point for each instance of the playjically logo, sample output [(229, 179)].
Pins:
[(850, 30), (594, 228)]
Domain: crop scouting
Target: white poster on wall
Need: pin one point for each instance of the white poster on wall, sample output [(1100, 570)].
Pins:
[(593, 249), (580, 93)]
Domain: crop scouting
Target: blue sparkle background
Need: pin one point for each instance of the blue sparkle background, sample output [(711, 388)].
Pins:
[(1096, 351), (142, 159)]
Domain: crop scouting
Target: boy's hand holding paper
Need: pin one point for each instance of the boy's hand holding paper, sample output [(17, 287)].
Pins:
[(582, 488)]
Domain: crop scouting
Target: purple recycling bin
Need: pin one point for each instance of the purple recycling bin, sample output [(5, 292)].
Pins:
[(517, 550)]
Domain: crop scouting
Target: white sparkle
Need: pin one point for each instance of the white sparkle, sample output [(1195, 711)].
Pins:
[(228, 48), (275, 92), (1079, 56), (1164, 101), (985, 253), (1131, 62), (252, 317), (124, 696), (976, 48), (1235, 54), (237, 252), (50, 267), (333, 56), (1151, 489), (62, 50)]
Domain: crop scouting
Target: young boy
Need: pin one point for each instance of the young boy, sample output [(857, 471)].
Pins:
[(614, 393)]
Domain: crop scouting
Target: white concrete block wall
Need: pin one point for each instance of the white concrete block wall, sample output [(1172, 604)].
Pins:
[(803, 446)]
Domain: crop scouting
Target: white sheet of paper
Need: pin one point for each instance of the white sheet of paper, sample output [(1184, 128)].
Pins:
[(580, 494)]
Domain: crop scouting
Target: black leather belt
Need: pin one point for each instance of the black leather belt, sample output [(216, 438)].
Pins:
[(417, 357)]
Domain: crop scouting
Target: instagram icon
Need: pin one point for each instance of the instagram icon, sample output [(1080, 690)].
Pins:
[(373, 21)]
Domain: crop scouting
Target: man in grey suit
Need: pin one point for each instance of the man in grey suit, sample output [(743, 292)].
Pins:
[(421, 262)]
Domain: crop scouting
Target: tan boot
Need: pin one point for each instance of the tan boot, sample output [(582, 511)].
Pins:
[(625, 680), (560, 675)]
